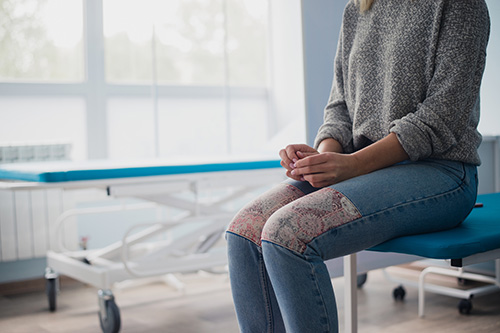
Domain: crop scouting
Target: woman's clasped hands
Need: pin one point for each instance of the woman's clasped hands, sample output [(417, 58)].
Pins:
[(320, 169)]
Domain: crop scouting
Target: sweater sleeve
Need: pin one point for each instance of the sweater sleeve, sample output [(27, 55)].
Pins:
[(337, 123), (453, 91)]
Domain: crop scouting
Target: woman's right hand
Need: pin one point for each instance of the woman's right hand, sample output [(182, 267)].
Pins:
[(291, 154)]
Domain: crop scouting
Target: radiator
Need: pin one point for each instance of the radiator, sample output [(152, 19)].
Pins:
[(27, 217), (25, 152)]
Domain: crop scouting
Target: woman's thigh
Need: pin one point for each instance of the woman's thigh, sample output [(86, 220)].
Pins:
[(408, 198)]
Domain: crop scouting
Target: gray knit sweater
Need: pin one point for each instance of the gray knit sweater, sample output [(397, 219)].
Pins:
[(412, 67)]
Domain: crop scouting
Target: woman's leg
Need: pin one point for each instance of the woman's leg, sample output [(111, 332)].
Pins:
[(254, 298), (351, 216)]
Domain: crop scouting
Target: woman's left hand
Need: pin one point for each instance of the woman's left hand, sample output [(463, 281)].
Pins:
[(326, 169)]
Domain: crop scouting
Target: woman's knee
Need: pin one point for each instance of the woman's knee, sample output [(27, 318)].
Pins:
[(248, 224), (283, 228), (297, 224), (250, 220)]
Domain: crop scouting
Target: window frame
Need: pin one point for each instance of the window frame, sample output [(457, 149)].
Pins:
[(95, 91)]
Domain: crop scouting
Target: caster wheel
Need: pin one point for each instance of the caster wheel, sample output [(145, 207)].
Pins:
[(462, 282), (51, 290), (361, 280), (109, 314), (51, 287), (399, 293), (465, 306)]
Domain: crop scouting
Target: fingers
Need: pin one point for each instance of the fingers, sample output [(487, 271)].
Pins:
[(316, 163), (302, 154), (326, 169), (298, 178), (317, 169), (291, 151), (308, 170), (291, 154), (318, 180), (310, 159), (286, 162), (289, 166)]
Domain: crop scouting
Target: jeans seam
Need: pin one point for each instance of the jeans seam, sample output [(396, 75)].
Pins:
[(459, 186), (312, 275), (265, 293), (457, 189), (280, 245), (320, 295), (243, 236)]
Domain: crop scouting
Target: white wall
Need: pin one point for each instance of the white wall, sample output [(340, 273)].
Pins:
[(321, 27), (490, 113)]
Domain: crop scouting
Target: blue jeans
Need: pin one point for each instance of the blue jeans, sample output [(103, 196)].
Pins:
[(277, 244)]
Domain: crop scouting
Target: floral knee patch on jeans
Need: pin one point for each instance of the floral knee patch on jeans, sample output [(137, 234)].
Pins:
[(295, 225), (251, 219)]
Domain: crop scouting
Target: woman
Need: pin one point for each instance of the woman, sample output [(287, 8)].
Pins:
[(396, 155)]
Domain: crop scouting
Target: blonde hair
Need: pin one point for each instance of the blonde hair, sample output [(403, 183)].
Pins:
[(364, 5)]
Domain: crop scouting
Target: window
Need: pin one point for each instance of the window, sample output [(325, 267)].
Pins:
[(153, 78), (186, 42), (37, 120), (40, 44)]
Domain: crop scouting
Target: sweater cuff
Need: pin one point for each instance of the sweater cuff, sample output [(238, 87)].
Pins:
[(320, 137), (414, 141), (345, 141)]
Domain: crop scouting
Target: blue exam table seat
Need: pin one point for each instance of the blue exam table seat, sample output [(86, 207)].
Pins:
[(479, 233), (475, 240)]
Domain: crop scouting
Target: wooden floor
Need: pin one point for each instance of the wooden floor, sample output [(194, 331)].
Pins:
[(205, 306)]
